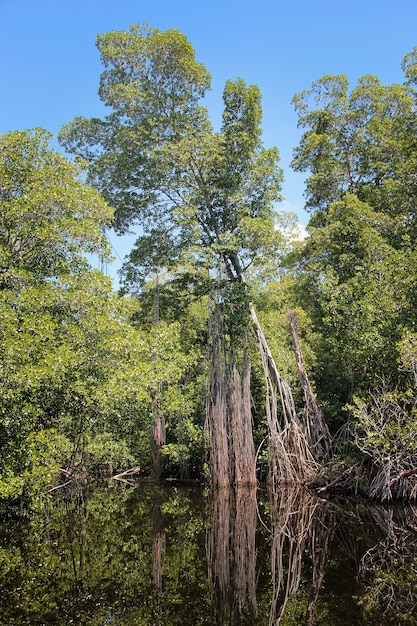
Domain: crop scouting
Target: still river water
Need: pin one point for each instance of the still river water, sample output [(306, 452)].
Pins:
[(170, 555)]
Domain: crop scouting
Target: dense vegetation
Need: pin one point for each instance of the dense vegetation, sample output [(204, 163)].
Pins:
[(169, 374)]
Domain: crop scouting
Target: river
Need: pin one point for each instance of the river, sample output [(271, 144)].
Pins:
[(101, 554)]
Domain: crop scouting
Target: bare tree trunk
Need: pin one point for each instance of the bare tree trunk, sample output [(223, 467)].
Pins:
[(158, 435), (289, 413), (217, 412), (318, 433), (242, 449)]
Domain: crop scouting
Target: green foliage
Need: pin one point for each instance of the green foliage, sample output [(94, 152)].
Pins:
[(356, 142), (61, 344), (104, 452), (354, 275), (357, 273), (385, 431), (77, 379), (204, 199), (48, 216)]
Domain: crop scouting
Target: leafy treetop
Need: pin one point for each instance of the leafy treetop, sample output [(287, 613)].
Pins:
[(201, 197)]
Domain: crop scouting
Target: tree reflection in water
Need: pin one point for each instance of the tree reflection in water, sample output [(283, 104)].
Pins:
[(389, 569), (231, 554), (300, 524), (75, 513), (158, 553), (153, 556)]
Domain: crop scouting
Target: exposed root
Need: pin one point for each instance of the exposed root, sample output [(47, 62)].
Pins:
[(229, 416), (291, 459), (317, 431)]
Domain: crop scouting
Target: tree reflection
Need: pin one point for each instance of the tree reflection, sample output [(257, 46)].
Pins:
[(231, 554), (300, 524), (389, 569), (158, 553), (139, 556), (75, 516), (100, 556)]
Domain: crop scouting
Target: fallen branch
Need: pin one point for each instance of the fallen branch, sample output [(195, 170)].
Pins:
[(70, 475), (403, 474), (65, 471), (339, 479), (68, 482), (133, 471)]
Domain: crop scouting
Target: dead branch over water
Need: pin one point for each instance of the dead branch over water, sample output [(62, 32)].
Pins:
[(318, 434)]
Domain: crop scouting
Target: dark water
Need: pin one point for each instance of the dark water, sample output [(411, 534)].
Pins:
[(174, 555)]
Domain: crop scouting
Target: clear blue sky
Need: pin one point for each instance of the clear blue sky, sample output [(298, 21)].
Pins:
[(50, 67)]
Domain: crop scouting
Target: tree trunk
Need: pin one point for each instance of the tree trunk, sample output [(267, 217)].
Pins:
[(229, 415), (158, 435), (216, 411), (242, 449), (290, 456), (318, 433)]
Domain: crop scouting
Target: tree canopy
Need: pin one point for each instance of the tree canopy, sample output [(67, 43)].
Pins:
[(201, 197), (359, 149)]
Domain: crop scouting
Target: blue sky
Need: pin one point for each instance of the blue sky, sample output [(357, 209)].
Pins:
[(50, 67)]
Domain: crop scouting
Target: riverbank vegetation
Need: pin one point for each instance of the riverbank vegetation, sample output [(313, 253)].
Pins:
[(234, 352)]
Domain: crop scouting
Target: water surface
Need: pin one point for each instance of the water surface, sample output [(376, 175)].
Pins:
[(160, 556)]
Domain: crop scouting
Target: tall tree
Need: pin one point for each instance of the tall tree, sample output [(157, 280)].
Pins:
[(360, 152), (49, 218), (360, 141), (206, 197)]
